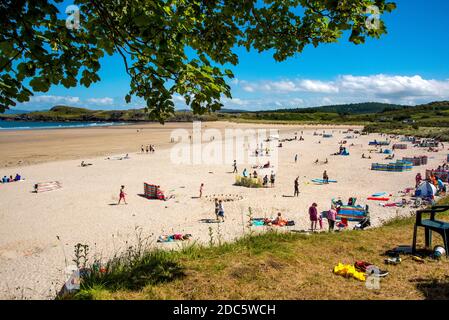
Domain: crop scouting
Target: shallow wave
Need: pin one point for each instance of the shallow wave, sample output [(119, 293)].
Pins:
[(61, 126)]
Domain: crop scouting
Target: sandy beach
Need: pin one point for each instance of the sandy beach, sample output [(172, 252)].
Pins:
[(84, 210)]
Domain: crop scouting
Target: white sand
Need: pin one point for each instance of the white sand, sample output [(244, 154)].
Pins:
[(32, 260)]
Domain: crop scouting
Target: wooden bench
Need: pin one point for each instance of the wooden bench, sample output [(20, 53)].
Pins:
[(429, 225)]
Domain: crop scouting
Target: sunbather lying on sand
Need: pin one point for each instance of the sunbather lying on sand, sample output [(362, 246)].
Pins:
[(278, 221), (174, 237), (83, 164)]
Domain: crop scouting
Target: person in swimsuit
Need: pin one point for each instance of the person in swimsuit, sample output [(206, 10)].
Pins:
[(122, 195)]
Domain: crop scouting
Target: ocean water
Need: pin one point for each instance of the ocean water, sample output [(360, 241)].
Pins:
[(33, 125)]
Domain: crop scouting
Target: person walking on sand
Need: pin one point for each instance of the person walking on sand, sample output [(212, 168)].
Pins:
[(325, 177), (142, 149), (201, 190), (122, 195), (272, 178), (235, 167), (296, 158), (313, 214), (217, 209), (296, 194), (331, 218), (147, 149), (221, 210)]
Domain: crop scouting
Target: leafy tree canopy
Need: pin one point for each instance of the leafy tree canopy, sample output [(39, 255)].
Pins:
[(38, 50)]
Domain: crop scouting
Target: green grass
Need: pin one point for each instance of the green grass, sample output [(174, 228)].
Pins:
[(273, 265)]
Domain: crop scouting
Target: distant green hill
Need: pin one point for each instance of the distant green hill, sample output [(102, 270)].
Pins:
[(67, 113), (353, 108)]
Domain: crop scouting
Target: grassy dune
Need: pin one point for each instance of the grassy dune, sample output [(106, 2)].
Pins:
[(275, 266)]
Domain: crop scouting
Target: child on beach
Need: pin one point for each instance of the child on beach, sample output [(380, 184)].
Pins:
[(217, 208), (325, 177), (313, 214), (221, 210), (272, 178), (235, 166), (265, 181), (331, 217), (122, 195), (296, 194), (201, 190)]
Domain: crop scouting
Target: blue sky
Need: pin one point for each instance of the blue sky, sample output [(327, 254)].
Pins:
[(409, 65)]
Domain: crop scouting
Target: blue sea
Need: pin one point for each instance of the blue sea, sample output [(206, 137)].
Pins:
[(32, 125)]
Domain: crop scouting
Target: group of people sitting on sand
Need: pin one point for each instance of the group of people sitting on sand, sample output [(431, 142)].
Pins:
[(365, 157), (259, 152), (5, 179), (439, 184), (342, 151), (255, 175), (148, 148), (444, 167)]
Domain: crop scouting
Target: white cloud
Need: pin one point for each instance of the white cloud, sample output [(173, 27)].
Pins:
[(395, 86), (349, 88), (101, 101), (317, 86), (50, 99), (297, 85)]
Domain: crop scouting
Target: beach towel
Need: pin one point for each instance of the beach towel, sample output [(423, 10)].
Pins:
[(322, 181), (257, 222), (174, 237), (380, 194), (378, 199)]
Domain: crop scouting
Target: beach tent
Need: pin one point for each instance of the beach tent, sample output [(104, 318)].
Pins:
[(426, 189)]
